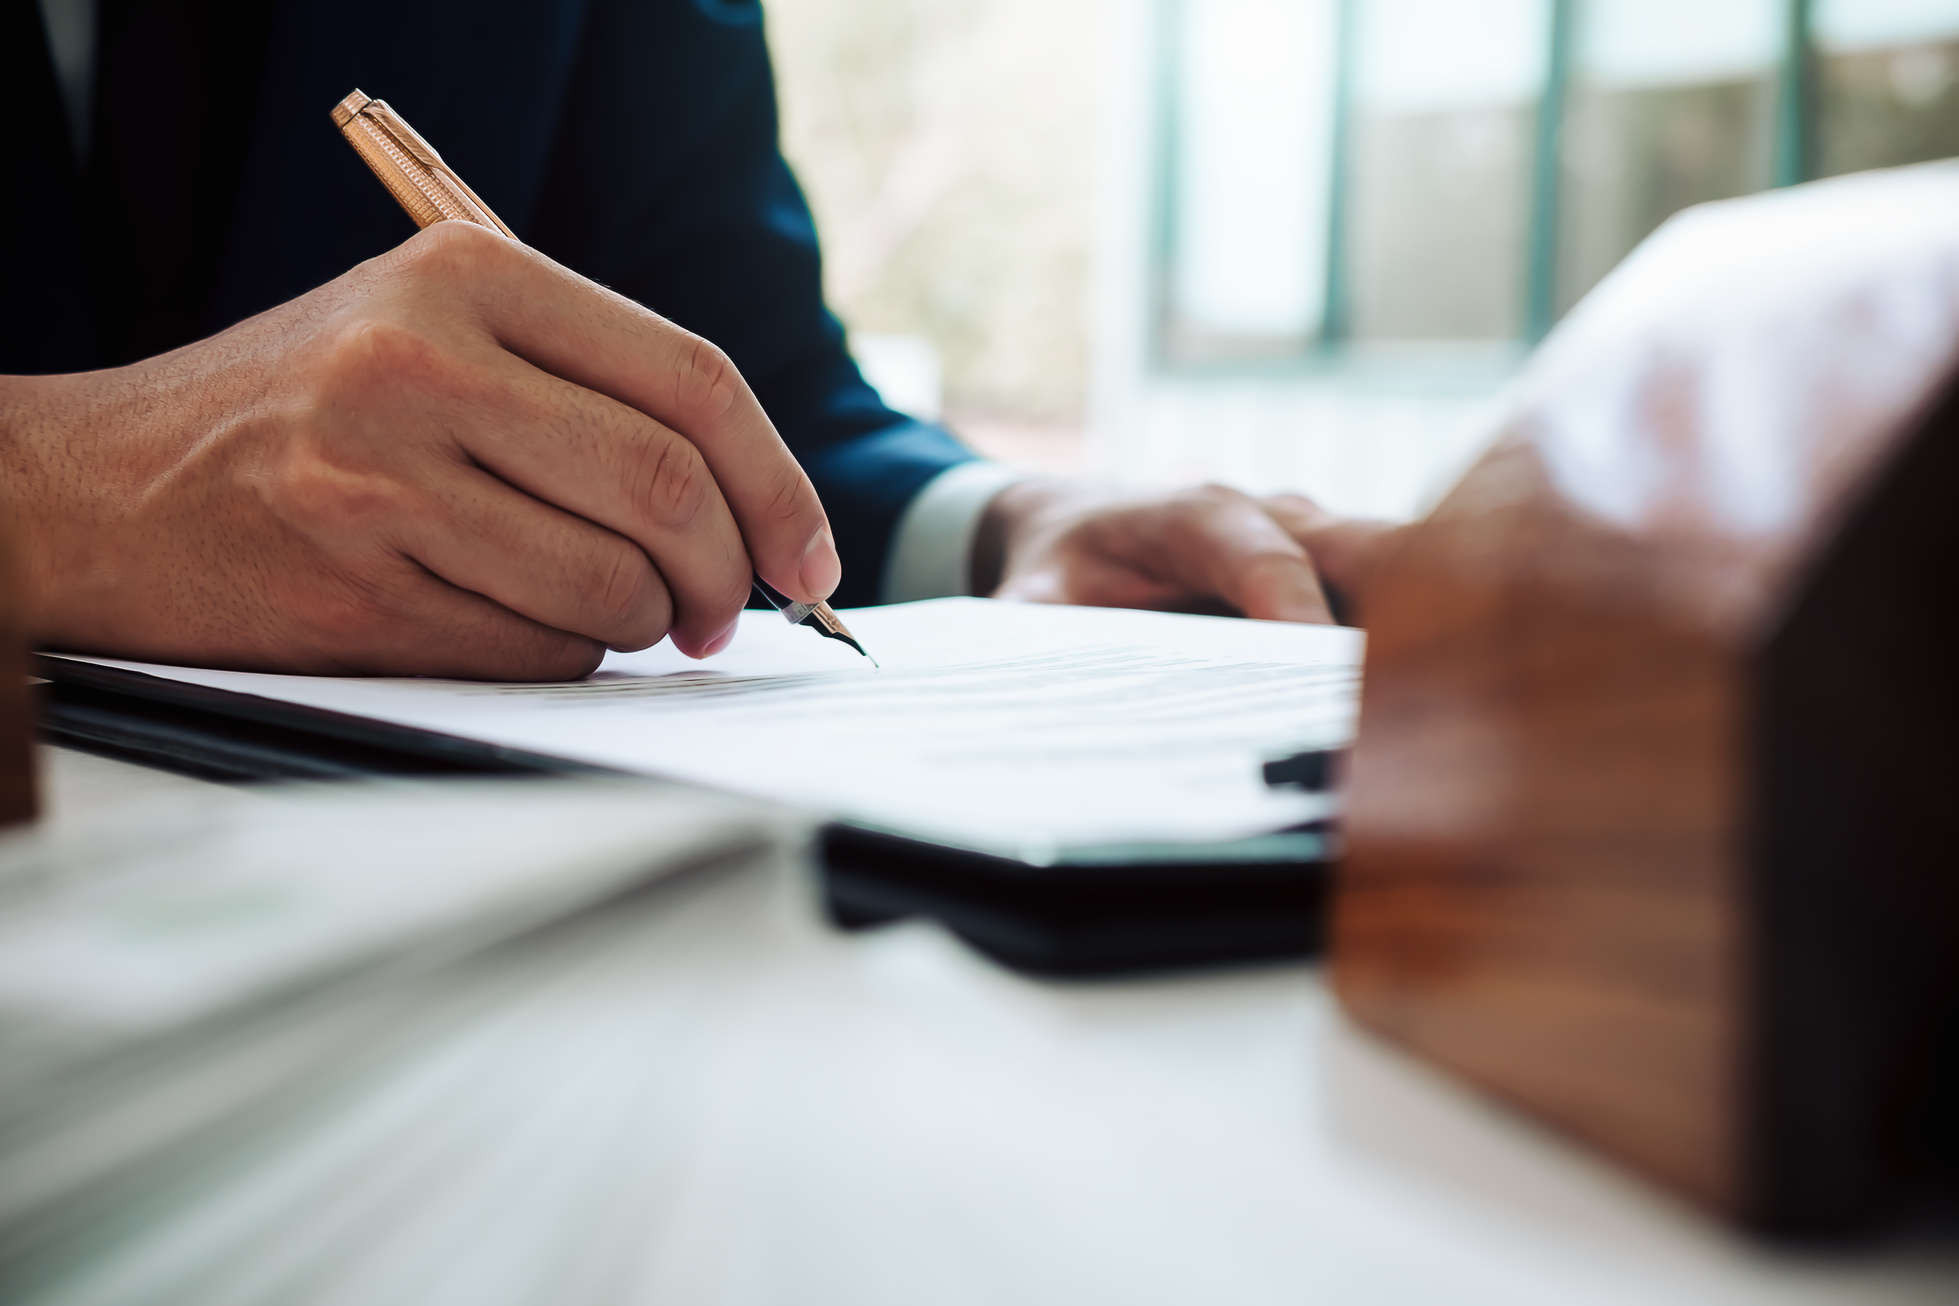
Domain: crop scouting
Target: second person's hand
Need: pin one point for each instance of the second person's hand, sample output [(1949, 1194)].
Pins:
[(1210, 549)]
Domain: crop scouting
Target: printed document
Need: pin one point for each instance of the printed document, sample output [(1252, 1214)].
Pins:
[(1021, 728)]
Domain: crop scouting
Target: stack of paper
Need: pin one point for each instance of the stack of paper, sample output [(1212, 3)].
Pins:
[(179, 994), (1017, 727)]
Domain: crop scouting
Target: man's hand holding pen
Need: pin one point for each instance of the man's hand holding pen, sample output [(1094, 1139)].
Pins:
[(457, 459)]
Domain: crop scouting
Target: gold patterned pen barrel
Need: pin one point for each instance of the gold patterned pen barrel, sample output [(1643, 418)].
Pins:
[(409, 166), (432, 192)]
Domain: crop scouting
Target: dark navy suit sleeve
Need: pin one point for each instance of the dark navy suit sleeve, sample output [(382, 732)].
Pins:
[(666, 183), (632, 140)]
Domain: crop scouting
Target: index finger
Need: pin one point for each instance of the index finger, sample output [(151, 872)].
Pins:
[(596, 338), (1223, 543)]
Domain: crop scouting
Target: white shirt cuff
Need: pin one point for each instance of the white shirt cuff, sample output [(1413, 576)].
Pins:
[(932, 548)]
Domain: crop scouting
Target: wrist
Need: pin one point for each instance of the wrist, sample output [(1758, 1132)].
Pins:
[(54, 435), (32, 414)]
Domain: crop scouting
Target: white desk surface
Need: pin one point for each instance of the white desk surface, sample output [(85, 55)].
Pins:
[(892, 1119)]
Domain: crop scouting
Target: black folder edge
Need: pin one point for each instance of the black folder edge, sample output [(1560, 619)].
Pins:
[(108, 714), (1079, 911)]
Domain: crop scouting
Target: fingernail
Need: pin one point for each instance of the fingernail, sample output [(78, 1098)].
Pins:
[(821, 569), (722, 640)]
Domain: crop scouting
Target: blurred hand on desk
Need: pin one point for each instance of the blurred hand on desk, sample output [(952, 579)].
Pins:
[(457, 459), (1209, 549)]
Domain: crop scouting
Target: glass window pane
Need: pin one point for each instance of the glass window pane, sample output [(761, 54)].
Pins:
[(1251, 157), (1670, 103), (1889, 83), (1445, 103)]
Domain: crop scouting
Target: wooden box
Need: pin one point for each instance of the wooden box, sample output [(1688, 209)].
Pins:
[(17, 787), (1654, 823)]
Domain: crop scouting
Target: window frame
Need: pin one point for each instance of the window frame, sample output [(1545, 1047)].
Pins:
[(1330, 350)]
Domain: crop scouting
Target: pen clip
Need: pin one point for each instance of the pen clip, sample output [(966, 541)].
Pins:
[(410, 140), (401, 158)]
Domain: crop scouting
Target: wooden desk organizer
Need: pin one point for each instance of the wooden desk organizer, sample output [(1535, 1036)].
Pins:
[(1654, 824)]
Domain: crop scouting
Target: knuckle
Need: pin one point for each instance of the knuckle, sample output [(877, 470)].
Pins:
[(369, 356), (564, 656), (789, 497), (739, 586), (1273, 559), (454, 249), (630, 601), (1212, 507), (521, 650), (706, 383), (669, 482), (321, 496), (621, 582), (1189, 510)]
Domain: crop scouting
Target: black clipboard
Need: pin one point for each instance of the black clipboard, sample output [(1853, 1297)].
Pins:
[(1083, 911)]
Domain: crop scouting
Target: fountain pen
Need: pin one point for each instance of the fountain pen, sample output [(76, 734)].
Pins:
[(432, 192)]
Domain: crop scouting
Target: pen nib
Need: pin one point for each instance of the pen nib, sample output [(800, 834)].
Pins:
[(824, 622), (817, 616)]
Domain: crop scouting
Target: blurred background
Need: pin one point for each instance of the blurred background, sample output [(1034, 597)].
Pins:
[(1294, 243)]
